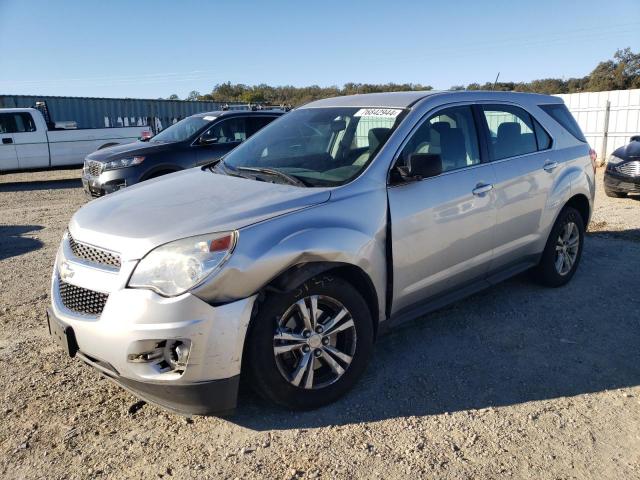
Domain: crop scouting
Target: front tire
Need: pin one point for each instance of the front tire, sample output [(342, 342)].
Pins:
[(563, 250), (614, 194), (307, 348)]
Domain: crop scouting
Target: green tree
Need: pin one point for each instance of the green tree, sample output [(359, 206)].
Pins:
[(193, 95)]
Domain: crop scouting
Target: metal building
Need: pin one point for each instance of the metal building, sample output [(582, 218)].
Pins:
[(89, 112)]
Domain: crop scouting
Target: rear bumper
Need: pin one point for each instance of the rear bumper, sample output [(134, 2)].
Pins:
[(621, 183)]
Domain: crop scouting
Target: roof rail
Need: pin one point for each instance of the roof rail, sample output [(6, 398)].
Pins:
[(256, 106)]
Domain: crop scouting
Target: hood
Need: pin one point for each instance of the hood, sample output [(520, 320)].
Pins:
[(137, 219), (128, 150), (629, 151)]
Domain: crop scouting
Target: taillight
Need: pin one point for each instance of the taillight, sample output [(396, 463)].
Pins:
[(594, 157)]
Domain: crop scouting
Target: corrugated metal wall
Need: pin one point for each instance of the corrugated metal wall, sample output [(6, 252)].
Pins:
[(91, 112), (608, 119)]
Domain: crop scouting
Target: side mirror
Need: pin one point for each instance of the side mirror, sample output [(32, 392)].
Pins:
[(338, 125), (635, 138), (423, 165), (207, 141)]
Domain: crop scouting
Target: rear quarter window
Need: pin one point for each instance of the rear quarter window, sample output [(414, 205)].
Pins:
[(560, 113)]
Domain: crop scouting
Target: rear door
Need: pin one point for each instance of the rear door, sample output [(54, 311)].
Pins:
[(520, 150), (442, 227), (8, 156), (31, 143)]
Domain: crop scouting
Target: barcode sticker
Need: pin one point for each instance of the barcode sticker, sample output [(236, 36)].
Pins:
[(378, 112)]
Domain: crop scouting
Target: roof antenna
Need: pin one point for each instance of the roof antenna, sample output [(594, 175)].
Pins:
[(494, 83)]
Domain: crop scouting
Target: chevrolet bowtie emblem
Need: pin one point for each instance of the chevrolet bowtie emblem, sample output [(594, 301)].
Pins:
[(66, 272)]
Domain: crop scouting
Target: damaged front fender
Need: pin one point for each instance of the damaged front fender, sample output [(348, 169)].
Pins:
[(322, 235)]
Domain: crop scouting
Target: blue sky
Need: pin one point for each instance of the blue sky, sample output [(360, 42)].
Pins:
[(152, 49)]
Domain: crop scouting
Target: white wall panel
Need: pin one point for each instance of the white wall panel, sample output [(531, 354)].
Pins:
[(589, 110)]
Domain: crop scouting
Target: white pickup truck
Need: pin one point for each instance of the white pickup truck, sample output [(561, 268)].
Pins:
[(27, 142)]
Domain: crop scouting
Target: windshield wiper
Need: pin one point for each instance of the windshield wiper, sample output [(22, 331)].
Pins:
[(293, 180)]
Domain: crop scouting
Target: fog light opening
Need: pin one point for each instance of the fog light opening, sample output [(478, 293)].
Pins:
[(178, 354), (165, 356)]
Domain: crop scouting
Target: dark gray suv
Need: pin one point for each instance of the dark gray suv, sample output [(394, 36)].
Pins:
[(196, 140)]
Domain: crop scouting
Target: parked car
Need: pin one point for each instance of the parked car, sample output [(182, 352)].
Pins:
[(284, 261), (622, 175), (195, 140), (28, 142)]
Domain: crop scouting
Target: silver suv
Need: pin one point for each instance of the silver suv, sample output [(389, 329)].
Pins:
[(286, 259)]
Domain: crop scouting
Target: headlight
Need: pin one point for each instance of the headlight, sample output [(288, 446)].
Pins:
[(123, 162), (176, 267), (613, 160)]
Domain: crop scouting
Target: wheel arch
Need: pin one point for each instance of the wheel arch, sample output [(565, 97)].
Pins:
[(296, 275), (159, 171), (581, 203)]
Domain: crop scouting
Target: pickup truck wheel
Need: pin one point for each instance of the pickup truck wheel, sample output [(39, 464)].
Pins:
[(562, 253), (309, 347)]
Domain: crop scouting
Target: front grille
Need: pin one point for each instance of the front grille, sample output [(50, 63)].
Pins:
[(93, 168), (630, 169), (81, 300), (93, 254)]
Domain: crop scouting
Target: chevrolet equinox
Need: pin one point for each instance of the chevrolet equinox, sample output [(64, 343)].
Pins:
[(287, 258)]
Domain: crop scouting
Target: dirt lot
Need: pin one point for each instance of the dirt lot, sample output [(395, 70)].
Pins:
[(518, 381)]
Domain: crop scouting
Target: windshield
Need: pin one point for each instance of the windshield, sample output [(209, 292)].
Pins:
[(317, 146), (182, 130)]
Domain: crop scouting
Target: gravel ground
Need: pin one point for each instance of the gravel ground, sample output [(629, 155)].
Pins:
[(518, 381)]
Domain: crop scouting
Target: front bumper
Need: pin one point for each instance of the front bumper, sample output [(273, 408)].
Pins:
[(198, 398), (621, 183), (133, 321), (110, 181)]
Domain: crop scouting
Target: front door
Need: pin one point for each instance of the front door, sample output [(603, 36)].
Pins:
[(442, 227), (8, 156)]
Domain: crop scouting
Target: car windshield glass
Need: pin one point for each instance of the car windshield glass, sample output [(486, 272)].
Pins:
[(318, 146), (182, 130)]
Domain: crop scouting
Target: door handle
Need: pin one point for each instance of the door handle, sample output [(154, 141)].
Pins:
[(7, 140), (549, 166), (481, 189)]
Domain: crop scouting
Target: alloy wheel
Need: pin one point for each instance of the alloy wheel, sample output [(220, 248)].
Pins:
[(314, 342), (567, 248)]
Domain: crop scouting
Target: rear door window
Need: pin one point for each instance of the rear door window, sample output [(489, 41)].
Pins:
[(542, 137), (257, 123), (511, 131), (560, 113)]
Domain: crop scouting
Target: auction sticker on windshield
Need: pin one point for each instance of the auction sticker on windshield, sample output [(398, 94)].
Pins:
[(378, 112)]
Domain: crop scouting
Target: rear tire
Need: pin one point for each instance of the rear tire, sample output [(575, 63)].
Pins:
[(614, 194), (563, 250), (302, 365)]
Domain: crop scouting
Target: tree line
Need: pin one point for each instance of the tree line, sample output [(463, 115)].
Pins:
[(622, 72)]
